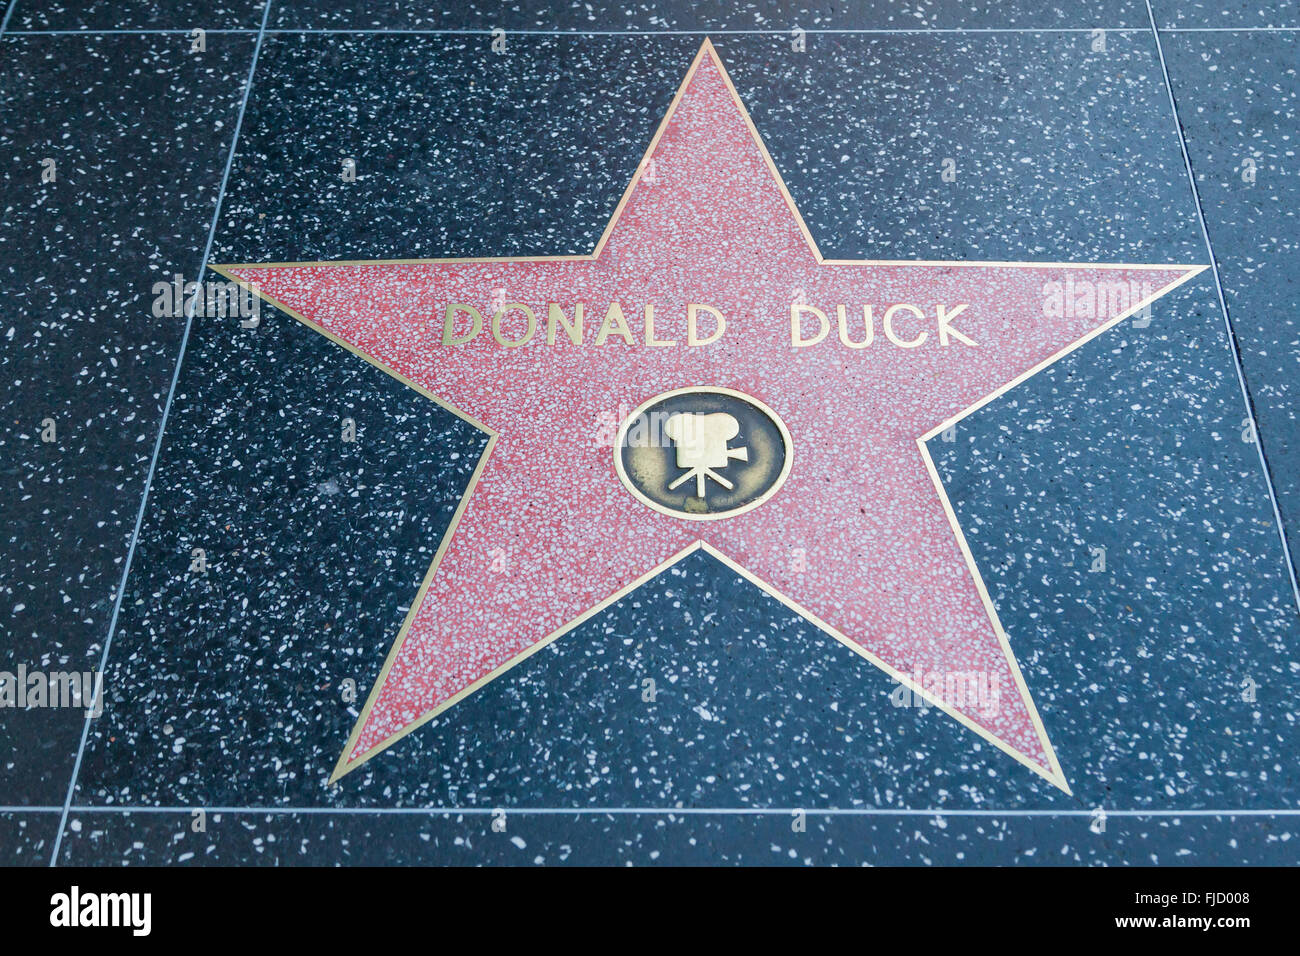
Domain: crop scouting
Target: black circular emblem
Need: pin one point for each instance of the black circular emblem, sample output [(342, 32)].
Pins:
[(702, 453)]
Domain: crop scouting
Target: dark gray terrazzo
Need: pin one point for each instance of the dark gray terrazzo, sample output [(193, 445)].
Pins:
[(140, 131), (314, 548), (471, 159), (1223, 14), (1061, 153), (764, 15), (92, 15), (27, 839), (224, 689), (754, 707), (455, 155), (567, 727), (1240, 96), (648, 840), (1132, 444)]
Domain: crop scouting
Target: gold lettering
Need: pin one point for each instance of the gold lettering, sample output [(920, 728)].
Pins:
[(496, 325), (449, 319), (555, 317), (692, 311), (945, 329), (889, 327), (796, 325), (650, 339), (616, 323), (867, 318)]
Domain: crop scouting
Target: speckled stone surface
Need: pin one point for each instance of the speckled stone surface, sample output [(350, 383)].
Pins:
[(98, 15), (226, 689), (754, 707), (26, 838), (1142, 663), (315, 547), (667, 839), (1060, 153), (764, 15), (455, 155), (1221, 14), (139, 130), (1240, 96), (1050, 180)]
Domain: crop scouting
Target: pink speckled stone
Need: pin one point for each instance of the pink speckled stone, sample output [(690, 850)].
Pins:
[(880, 562)]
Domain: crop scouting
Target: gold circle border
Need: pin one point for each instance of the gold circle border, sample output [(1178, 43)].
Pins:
[(716, 390)]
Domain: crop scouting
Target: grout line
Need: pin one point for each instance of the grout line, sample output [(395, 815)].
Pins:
[(684, 811), (487, 31), (4, 24), (162, 427), (812, 31), (1229, 29), (1234, 344), (19, 808), (133, 33)]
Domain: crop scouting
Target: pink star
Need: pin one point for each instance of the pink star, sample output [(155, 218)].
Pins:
[(860, 538)]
